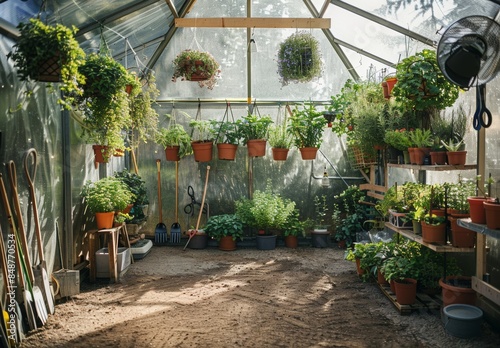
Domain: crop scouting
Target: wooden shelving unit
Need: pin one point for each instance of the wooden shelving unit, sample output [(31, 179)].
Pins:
[(435, 168), (408, 233)]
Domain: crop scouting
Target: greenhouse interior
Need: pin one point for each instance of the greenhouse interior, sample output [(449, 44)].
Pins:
[(281, 168)]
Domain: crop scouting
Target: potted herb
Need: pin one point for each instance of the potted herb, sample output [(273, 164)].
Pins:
[(254, 129), (306, 126), (280, 140), (229, 136), (299, 59), (434, 229), (106, 195), (193, 65), (346, 229), (226, 229), (292, 228), (105, 103), (50, 54), (202, 139), (320, 233), (399, 139), (175, 140)]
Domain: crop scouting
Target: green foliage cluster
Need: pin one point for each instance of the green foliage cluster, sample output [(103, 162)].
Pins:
[(255, 126), (190, 62), (219, 226), (306, 126), (107, 195)]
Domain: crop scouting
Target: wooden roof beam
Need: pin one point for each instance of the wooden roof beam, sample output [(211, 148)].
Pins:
[(253, 22)]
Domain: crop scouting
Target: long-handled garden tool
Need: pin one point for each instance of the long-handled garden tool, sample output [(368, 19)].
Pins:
[(175, 229), (40, 270), (161, 229), (33, 288), (192, 233), (27, 296)]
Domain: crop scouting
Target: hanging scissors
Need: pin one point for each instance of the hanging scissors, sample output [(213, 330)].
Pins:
[(481, 110)]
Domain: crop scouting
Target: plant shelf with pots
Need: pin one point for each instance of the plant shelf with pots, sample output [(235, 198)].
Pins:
[(434, 167), (408, 233)]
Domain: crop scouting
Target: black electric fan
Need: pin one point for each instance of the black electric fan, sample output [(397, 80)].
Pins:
[(468, 53)]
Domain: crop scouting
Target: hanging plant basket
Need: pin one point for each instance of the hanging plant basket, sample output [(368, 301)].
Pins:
[(197, 66), (299, 59)]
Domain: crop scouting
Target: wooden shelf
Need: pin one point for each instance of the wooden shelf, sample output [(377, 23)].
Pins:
[(479, 228), (408, 233), (436, 168)]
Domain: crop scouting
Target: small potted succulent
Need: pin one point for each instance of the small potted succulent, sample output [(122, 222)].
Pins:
[(299, 59), (49, 54), (193, 65)]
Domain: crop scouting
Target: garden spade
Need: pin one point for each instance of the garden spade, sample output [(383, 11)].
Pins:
[(161, 228), (40, 270)]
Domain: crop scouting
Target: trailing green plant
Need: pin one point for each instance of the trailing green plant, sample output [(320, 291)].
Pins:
[(107, 195), (218, 226), (255, 126), (299, 59), (39, 43), (104, 102), (306, 126), (190, 62), (144, 118), (421, 84)]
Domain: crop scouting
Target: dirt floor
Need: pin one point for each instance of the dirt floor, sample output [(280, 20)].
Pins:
[(305, 297)]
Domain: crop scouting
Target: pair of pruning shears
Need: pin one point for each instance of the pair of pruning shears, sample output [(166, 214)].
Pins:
[(482, 116), (189, 208)]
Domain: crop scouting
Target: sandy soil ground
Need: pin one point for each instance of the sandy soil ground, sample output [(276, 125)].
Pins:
[(303, 297)]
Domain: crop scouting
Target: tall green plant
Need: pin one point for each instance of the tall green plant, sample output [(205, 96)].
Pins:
[(306, 126)]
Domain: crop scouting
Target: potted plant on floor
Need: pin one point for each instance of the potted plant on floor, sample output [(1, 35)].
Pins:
[(299, 59), (229, 135), (226, 229), (202, 139), (104, 197), (292, 228), (254, 128), (198, 66), (306, 126), (49, 54), (320, 233), (175, 140)]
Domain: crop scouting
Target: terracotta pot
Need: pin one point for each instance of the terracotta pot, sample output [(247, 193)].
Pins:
[(476, 209), (119, 153), (227, 243), (227, 151), (291, 242), (460, 292), (100, 152), (438, 212), (198, 74), (381, 279), (434, 234), (308, 153), (359, 270), (127, 209), (202, 151), (385, 90), (391, 81), (420, 153), (492, 215), (438, 157), (172, 153), (406, 291), (461, 237), (280, 154), (104, 220), (392, 285), (456, 158), (411, 153), (256, 147)]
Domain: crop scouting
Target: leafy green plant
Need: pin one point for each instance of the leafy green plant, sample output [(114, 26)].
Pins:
[(255, 126), (174, 135), (219, 226), (202, 131), (421, 85), (190, 62), (404, 262), (135, 184), (434, 220), (398, 139), (320, 211), (458, 193), (107, 195), (228, 132), (39, 43), (421, 137), (306, 126), (371, 257), (349, 226), (293, 226), (299, 59)]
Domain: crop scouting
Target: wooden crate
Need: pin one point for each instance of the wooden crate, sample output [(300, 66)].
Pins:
[(423, 301)]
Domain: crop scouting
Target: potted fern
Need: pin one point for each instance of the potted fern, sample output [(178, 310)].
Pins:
[(49, 54)]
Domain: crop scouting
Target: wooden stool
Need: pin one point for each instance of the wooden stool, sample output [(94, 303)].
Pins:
[(112, 235)]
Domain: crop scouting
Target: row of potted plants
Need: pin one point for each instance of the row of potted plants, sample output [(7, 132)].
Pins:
[(303, 128), (407, 266)]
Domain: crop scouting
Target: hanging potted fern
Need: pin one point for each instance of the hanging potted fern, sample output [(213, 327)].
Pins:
[(299, 59), (49, 54)]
